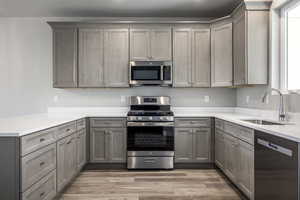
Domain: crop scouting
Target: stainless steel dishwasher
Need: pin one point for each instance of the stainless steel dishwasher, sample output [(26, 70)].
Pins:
[(276, 168)]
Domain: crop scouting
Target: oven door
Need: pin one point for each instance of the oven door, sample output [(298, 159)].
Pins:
[(150, 136)]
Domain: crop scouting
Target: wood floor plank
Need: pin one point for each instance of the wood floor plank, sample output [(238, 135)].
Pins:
[(151, 185)]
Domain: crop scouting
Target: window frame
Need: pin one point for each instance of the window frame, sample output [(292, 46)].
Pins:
[(283, 78)]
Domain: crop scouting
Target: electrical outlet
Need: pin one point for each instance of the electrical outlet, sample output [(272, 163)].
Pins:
[(247, 99), (123, 99), (206, 99), (55, 99)]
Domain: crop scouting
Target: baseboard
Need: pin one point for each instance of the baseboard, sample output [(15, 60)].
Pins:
[(194, 166), (103, 166)]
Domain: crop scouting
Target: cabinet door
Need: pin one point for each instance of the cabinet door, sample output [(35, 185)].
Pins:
[(231, 157), (91, 58), (202, 145), (140, 44), (182, 57), (98, 145), (183, 145), (65, 57), (161, 44), (117, 145), (219, 149), (116, 57), (201, 58), (246, 168), (61, 162), (81, 149), (221, 55), (70, 154), (66, 161), (239, 49)]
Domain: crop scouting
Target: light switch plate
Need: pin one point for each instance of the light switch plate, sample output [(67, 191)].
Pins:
[(247, 99), (206, 99)]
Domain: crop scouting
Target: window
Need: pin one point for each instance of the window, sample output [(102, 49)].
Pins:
[(290, 47)]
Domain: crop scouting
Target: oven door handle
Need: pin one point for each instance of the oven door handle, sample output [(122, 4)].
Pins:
[(141, 124)]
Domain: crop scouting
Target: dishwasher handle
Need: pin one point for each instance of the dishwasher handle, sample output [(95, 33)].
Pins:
[(275, 147)]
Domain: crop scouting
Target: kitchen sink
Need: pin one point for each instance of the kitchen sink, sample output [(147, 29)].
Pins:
[(263, 122)]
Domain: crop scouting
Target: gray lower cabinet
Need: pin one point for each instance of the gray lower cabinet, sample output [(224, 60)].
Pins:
[(183, 145), (66, 161), (81, 149), (245, 173), (65, 57), (231, 162), (108, 145), (221, 55), (234, 155), (192, 144), (219, 149), (44, 189)]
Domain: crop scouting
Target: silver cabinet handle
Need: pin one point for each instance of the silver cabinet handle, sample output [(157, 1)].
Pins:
[(42, 139)]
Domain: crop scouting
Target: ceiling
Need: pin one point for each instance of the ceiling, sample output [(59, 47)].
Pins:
[(116, 8)]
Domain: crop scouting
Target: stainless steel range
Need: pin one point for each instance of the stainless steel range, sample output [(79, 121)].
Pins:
[(150, 133)]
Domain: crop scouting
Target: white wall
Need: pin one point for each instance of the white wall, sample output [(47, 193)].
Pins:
[(26, 76)]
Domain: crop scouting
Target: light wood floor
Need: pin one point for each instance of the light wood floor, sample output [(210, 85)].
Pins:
[(151, 185)]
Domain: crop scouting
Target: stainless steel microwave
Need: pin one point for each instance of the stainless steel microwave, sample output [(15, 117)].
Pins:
[(157, 73)]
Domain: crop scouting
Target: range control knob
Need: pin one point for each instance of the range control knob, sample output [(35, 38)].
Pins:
[(140, 118), (150, 118), (162, 118)]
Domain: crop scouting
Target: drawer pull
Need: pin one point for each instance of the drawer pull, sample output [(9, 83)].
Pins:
[(68, 130), (69, 142), (42, 194), (42, 163), (42, 139)]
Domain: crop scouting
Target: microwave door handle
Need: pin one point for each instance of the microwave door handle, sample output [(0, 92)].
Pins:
[(161, 72)]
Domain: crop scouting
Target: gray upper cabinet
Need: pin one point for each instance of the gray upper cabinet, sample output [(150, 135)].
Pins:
[(64, 57), (161, 44), (91, 51), (250, 39), (148, 42), (191, 56), (221, 54), (201, 57), (182, 57), (116, 57), (139, 44)]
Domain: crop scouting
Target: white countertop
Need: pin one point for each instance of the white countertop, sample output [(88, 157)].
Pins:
[(23, 125)]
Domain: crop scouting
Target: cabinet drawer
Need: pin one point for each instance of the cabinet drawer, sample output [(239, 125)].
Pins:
[(231, 129), (219, 124), (37, 140), (192, 122), (66, 130), (45, 189), (36, 165), (108, 122), (246, 134), (80, 124)]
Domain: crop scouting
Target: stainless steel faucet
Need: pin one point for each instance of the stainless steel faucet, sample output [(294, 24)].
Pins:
[(282, 114)]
